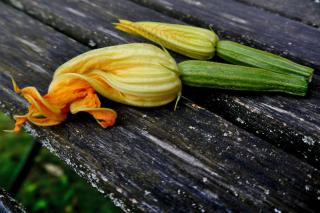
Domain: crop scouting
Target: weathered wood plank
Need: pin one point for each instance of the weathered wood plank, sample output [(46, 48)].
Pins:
[(153, 159), (247, 24), (288, 122), (8, 204), (307, 11), (291, 123)]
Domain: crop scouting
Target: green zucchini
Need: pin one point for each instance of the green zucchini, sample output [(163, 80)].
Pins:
[(240, 54), (235, 77)]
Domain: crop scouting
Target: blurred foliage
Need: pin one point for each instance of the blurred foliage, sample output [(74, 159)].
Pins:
[(51, 186)]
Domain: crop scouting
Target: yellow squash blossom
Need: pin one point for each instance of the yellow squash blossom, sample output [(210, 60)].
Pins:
[(194, 42), (135, 74)]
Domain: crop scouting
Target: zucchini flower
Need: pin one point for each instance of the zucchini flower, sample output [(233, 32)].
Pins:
[(194, 42), (135, 74)]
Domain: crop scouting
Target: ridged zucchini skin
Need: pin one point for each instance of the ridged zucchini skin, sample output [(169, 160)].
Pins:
[(240, 54), (236, 77)]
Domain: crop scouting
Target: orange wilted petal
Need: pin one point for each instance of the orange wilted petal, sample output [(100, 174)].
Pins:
[(104, 116), (40, 103), (91, 103), (20, 120), (72, 94), (43, 121), (91, 100)]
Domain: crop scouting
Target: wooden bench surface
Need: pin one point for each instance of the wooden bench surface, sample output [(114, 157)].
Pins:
[(241, 151), (8, 204)]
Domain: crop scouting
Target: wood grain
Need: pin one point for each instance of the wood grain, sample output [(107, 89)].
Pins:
[(154, 159), (307, 11), (288, 122), (8, 204)]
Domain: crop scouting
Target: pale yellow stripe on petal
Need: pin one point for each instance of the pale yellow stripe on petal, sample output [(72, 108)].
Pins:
[(141, 89)]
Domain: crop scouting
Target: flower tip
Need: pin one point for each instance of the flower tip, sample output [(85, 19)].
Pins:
[(121, 22), (15, 86), (104, 116), (20, 120), (117, 23), (106, 123), (9, 131), (13, 131), (124, 21), (126, 26)]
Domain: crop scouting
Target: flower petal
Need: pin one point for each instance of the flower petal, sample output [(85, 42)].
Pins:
[(187, 40)]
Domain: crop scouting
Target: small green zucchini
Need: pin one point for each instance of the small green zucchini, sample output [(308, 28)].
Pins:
[(235, 77), (240, 54)]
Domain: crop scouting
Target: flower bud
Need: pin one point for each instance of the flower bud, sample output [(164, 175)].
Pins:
[(135, 74), (194, 42)]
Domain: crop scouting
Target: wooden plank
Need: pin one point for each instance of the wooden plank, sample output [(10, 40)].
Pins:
[(153, 159), (8, 204), (288, 122), (307, 12)]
